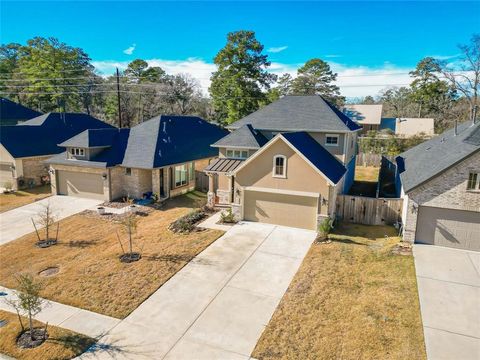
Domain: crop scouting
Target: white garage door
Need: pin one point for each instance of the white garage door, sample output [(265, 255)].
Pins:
[(448, 227), (6, 175), (80, 184), (281, 209)]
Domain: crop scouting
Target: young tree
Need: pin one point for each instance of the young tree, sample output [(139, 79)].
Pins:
[(46, 218), (27, 300), (239, 83), (316, 78), (129, 223), (464, 74)]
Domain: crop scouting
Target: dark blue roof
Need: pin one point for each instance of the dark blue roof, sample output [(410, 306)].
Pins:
[(41, 135), (166, 140), (320, 157), (11, 112)]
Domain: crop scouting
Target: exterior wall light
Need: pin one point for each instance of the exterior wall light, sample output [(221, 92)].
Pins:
[(104, 176)]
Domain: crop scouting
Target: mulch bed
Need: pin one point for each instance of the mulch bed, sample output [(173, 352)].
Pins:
[(139, 211), (25, 341)]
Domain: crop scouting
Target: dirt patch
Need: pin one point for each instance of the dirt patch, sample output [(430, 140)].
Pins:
[(26, 341), (50, 271), (42, 244), (130, 257)]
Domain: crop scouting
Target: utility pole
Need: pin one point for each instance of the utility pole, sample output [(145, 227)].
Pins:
[(118, 100)]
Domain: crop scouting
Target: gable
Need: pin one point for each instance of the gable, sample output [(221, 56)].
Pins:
[(300, 175)]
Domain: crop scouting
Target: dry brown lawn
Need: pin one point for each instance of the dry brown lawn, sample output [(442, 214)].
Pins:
[(91, 275), (61, 343), (367, 173), (350, 299), (23, 197)]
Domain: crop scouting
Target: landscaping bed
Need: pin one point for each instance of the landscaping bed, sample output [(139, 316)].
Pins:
[(91, 276), (352, 298), (23, 197), (60, 343)]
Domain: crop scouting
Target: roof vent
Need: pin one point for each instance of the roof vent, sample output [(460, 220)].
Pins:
[(443, 139), (428, 148)]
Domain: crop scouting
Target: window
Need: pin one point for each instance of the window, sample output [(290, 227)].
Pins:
[(192, 171), (180, 175), (128, 171), (237, 154), (331, 140), (77, 151), (279, 166), (473, 181)]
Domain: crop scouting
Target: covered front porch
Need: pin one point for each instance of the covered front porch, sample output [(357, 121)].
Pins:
[(221, 181)]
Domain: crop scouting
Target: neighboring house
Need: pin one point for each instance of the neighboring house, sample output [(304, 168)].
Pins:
[(12, 113), (160, 155), (440, 183), (285, 163), (368, 116), (407, 127), (25, 146)]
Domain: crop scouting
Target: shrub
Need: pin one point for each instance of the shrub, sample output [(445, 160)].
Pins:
[(187, 223), (325, 227), (227, 216), (8, 186)]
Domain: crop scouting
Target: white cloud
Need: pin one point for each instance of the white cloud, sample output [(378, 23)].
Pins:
[(445, 57), (331, 56), (130, 50), (277, 49), (354, 81)]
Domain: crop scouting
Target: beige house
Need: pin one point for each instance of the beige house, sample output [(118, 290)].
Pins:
[(407, 127), (285, 163), (369, 117), (157, 156), (25, 147), (440, 183)]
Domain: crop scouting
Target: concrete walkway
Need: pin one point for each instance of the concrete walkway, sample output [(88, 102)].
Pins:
[(217, 306), (18, 222), (211, 223), (68, 317), (449, 291)]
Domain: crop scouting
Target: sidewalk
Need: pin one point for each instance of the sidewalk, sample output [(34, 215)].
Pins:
[(68, 317)]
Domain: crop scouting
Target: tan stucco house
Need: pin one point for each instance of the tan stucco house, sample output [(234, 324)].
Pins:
[(369, 117), (159, 156), (285, 163), (439, 181), (25, 146)]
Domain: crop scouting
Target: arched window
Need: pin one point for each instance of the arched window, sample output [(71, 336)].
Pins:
[(280, 166)]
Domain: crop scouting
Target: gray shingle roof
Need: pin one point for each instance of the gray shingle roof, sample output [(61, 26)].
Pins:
[(299, 113), (92, 138), (244, 137), (428, 159)]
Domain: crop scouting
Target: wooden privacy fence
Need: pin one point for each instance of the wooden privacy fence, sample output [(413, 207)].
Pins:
[(369, 211), (365, 159), (201, 181)]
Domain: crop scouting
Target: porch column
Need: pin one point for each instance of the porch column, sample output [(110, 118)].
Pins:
[(211, 191), (156, 181)]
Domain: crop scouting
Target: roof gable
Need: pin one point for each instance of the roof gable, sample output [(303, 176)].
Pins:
[(311, 151), (430, 158), (299, 113), (243, 137), (13, 112)]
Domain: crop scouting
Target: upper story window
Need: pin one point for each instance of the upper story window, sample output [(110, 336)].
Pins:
[(279, 166), (237, 154), (77, 151), (128, 171), (331, 140), (473, 181)]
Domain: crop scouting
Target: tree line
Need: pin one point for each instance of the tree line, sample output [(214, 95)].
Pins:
[(49, 75)]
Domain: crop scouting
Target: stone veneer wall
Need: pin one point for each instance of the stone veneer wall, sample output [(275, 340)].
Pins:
[(138, 183), (34, 168), (448, 190)]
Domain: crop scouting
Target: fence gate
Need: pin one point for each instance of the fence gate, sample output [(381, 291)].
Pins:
[(369, 211), (201, 181)]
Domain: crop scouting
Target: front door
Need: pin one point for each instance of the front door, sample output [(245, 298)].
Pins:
[(162, 190)]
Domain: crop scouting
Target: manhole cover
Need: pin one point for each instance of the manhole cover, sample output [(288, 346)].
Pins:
[(3, 322), (49, 271)]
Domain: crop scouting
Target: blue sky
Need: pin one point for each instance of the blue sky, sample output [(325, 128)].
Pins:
[(383, 39)]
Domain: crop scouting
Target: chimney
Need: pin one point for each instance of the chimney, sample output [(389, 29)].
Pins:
[(455, 132)]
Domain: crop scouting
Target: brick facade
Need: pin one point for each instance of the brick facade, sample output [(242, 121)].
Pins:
[(447, 190)]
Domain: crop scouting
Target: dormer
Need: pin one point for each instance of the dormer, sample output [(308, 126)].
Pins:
[(240, 143), (88, 144)]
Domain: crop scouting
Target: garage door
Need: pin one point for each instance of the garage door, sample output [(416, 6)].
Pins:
[(288, 210), (6, 174), (80, 184), (448, 227)]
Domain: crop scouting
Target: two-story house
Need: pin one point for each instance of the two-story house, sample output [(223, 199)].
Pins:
[(285, 163)]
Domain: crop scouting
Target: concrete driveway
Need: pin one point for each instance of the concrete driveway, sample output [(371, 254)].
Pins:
[(217, 306), (18, 222), (449, 291)]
